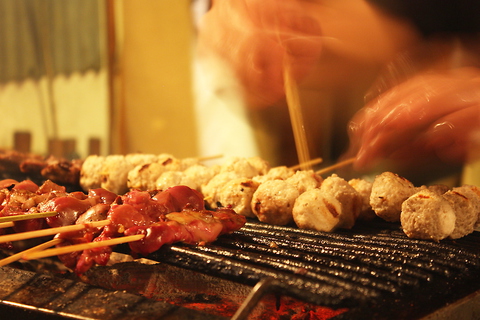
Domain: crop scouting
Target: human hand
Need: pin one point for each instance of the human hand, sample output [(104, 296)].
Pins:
[(255, 37), (430, 117)]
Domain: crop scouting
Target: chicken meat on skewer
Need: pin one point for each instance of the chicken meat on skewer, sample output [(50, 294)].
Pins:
[(173, 215)]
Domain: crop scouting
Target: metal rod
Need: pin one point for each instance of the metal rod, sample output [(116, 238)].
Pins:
[(253, 298)]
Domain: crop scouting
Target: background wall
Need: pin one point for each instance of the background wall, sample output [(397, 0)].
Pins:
[(154, 113), (53, 76), (56, 84), (81, 107)]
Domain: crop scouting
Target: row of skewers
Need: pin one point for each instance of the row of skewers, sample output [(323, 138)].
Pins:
[(21, 166), (223, 195), (286, 196), (85, 227)]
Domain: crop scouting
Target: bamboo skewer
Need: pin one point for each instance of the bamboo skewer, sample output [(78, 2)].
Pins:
[(19, 255), (51, 231), (336, 166), (294, 108), (206, 158), (296, 118), (6, 224), (310, 163), (81, 247), (29, 216)]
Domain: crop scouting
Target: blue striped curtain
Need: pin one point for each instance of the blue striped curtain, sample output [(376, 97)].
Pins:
[(38, 37)]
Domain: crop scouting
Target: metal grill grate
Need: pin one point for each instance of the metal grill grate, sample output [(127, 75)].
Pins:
[(374, 270), (371, 272)]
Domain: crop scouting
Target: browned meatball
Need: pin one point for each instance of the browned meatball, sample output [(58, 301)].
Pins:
[(427, 215), (389, 190), (273, 202)]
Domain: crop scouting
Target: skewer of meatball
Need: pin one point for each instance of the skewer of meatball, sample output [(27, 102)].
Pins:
[(247, 185), (426, 212), (283, 196)]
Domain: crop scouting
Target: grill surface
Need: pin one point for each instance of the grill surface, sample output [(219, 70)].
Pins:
[(29, 295), (373, 270)]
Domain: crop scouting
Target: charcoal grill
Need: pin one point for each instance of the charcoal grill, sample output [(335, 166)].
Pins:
[(370, 272)]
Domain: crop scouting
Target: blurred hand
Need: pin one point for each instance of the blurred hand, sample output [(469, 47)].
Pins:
[(255, 37), (430, 117)]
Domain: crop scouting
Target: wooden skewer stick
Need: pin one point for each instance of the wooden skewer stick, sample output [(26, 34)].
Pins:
[(81, 247), (206, 158), (28, 216), (336, 166), (296, 118), (310, 163), (6, 225), (19, 255), (51, 231)]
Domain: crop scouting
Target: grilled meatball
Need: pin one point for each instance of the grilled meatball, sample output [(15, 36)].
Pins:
[(201, 174), (114, 174), (144, 177), (273, 202), (116, 168), (237, 194), (364, 188), (174, 178), (437, 188), (427, 215), (389, 190), (186, 163), (350, 200), (90, 174), (476, 190), (211, 189), (466, 204), (275, 173), (240, 166), (136, 159), (261, 166), (316, 210), (305, 180)]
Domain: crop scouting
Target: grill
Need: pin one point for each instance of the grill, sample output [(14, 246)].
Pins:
[(370, 272), (374, 271)]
